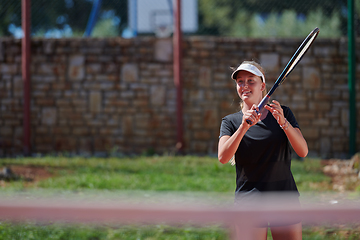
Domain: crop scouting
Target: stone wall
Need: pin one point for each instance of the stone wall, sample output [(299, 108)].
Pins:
[(97, 96)]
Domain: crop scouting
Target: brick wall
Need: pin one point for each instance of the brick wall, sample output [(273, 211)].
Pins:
[(97, 96)]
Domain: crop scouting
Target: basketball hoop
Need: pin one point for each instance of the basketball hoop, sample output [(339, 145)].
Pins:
[(163, 31)]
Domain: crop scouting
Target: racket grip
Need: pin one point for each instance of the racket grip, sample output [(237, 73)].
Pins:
[(261, 105), (249, 121), (263, 102)]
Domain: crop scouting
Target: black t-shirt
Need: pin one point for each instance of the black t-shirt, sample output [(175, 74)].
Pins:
[(263, 158)]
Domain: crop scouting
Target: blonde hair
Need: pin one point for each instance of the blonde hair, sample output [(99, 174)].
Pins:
[(264, 92)]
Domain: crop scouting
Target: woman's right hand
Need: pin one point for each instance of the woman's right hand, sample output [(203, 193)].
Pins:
[(253, 115)]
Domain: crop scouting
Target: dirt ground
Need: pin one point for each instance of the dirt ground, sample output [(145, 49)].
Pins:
[(31, 173), (345, 174)]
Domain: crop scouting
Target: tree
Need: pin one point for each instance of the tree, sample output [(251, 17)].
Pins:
[(58, 14), (9, 14), (216, 17), (245, 18)]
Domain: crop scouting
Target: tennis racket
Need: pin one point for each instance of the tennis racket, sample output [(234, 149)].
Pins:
[(296, 58)]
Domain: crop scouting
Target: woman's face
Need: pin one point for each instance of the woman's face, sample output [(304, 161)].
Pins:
[(249, 87)]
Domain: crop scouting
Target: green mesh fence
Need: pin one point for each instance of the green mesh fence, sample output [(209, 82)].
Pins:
[(233, 18)]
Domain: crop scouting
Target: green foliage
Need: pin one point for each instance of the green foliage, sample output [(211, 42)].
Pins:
[(33, 230), (215, 16), (286, 24), (238, 28), (141, 173), (330, 233), (10, 13), (156, 173), (105, 28), (260, 19), (57, 15), (59, 231), (246, 18), (309, 176), (330, 26)]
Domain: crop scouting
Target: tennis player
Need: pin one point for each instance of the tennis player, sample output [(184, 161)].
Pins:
[(262, 149)]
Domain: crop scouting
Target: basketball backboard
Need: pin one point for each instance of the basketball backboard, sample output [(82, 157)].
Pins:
[(147, 16)]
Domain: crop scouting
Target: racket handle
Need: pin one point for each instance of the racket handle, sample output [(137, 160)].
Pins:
[(249, 121), (261, 105), (263, 102)]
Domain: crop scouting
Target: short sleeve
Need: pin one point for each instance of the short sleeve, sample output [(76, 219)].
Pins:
[(226, 128), (290, 117)]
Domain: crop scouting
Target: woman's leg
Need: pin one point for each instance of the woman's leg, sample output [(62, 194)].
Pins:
[(291, 232), (240, 233), (260, 233)]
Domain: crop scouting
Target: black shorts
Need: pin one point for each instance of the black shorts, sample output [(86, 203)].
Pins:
[(258, 200)]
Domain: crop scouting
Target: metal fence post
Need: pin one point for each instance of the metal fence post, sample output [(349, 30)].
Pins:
[(25, 69), (351, 80)]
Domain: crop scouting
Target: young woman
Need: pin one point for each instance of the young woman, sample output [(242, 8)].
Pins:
[(261, 149)]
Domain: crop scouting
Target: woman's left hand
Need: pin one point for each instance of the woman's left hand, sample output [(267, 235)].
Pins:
[(277, 111), (294, 135)]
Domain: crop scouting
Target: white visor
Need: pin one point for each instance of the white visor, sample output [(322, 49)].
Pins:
[(249, 68)]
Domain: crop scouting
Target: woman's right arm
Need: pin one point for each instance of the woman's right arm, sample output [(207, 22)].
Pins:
[(228, 145)]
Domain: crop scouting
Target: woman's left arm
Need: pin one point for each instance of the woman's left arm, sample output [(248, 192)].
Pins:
[(294, 135)]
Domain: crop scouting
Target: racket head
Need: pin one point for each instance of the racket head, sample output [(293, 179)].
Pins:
[(295, 59), (300, 52)]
